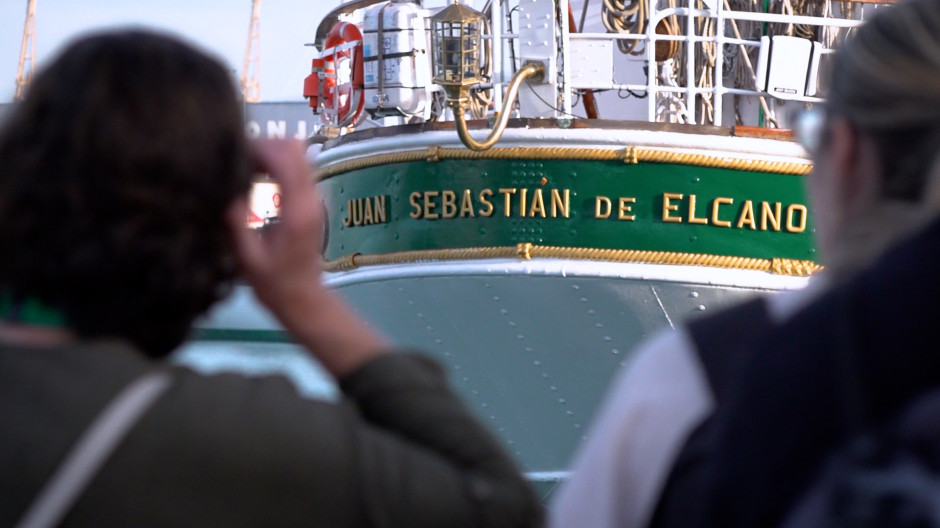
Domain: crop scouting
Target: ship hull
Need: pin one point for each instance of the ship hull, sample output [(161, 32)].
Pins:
[(533, 270)]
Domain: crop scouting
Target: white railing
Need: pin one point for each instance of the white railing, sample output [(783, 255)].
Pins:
[(688, 93)]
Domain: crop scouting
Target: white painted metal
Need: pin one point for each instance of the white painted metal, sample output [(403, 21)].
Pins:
[(716, 145), (563, 269), (538, 43), (591, 63), (566, 86), (496, 28), (402, 82)]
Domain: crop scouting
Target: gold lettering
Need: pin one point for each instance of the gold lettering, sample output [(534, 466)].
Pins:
[(380, 217), (429, 205), (466, 204), (522, 199), (598, 203), (449, 204), (766, 216), (624, 206), (367, 217), (487, 210), (356, 212), (790, 214), (715, 205), (507, 192), (538, 204), (747, 216), (347, 221), (558, 202), (669, 207), (413, 200), (692, 218)]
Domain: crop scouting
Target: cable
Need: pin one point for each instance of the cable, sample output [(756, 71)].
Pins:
[(630, 93), (553, 107)]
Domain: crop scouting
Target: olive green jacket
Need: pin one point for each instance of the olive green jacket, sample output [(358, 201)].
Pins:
[(227, 450)]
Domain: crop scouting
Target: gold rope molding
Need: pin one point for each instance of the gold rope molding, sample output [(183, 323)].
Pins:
[(629, 155), (527, 251)]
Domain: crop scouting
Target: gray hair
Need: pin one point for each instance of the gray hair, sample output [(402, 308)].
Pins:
[(886, 83), (888, 75)]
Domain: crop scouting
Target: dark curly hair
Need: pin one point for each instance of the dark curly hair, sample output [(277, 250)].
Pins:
[(116, 173)]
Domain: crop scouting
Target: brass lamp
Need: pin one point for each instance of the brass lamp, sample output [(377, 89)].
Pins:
[(456, 41)]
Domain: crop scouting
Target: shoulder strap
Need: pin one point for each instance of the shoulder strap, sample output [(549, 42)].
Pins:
[(92, 449)]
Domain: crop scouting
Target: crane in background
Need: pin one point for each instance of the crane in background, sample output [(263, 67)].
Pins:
[(251, 68), (24, 71)]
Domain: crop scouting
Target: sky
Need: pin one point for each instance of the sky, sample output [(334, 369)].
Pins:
[(219, 26)]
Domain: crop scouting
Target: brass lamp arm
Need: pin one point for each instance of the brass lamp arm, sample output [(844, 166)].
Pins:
[(529, 69)]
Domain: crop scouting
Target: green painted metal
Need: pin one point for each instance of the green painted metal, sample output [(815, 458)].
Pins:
[(585, 181)]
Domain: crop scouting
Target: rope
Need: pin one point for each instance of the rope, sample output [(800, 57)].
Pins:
[(626, 16), (630, 155), (356, 260), (528, 251)]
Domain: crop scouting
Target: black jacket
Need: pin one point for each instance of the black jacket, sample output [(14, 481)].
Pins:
[(853, 358)]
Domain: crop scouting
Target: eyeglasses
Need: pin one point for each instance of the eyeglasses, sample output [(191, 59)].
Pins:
[(809, 128)]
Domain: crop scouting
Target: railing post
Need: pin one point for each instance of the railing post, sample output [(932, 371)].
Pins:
[(690, 81), (565, 54), (719, 65), (651, 68), (496, 28)]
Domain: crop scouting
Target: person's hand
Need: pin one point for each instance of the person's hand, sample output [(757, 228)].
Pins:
[(283, 266), (285, 262)]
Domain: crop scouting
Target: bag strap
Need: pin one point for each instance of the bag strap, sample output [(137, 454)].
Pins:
[(92, 450)]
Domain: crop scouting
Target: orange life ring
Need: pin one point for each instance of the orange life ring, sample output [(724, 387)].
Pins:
[(341, 99)]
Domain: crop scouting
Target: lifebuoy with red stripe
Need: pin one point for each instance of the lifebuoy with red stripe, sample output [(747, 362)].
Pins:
[(335, 85)]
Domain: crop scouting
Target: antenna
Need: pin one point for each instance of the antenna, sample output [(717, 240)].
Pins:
[(251, 69), (24, 71)]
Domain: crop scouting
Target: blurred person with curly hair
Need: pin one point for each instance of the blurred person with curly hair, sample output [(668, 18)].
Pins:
[(123, 183)]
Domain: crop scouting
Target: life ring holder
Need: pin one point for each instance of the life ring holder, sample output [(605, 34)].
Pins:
[(342, 102)]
